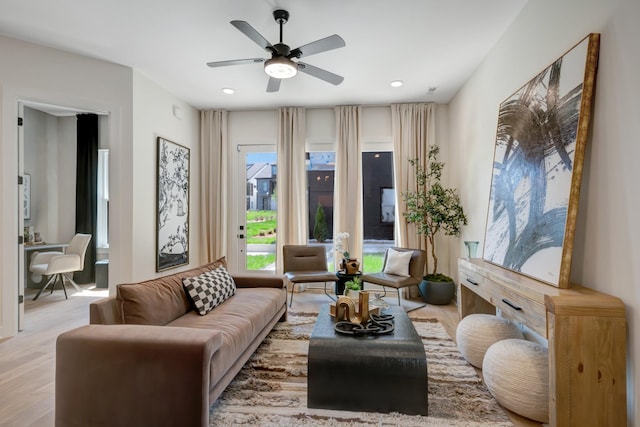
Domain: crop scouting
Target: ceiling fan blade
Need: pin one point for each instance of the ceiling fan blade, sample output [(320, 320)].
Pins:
[(254, 35), (235, 62), (273, 85), (322, 45), (325, 75)]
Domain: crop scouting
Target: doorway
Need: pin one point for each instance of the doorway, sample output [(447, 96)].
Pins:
[(47, 162)]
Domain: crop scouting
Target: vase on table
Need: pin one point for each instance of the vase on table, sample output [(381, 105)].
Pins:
[(351, 266), (472, 247)]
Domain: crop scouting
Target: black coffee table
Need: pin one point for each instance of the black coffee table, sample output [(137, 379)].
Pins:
[(385, 373)]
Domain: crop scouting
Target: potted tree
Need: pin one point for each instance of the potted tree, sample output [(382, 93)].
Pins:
[(433, 209)]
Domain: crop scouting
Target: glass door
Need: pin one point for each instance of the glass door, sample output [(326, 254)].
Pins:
[(257, 215)]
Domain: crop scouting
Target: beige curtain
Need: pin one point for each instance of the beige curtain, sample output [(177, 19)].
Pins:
[(413, 129), (347, 213), (213, 184), (292, 180)]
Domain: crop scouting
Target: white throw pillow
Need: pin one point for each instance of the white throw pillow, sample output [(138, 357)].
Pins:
[(398, 262), (209, 289)]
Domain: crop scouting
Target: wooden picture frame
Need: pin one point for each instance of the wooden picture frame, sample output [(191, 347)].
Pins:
[(172, 196), (538, 158)]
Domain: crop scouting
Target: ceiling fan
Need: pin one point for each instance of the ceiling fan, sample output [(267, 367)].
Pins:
[(284, 62)]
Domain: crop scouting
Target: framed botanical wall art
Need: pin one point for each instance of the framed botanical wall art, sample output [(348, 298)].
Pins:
[(172, 226), (539, 151)]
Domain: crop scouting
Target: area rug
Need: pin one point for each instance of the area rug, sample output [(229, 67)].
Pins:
[(271, 389)]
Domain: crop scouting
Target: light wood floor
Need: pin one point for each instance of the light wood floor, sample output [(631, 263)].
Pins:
[(27, 361)]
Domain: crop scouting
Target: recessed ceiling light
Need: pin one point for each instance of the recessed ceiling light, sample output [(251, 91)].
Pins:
[(228, 91), (396, 83)]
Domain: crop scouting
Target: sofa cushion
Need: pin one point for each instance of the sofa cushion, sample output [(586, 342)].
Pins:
[(398, 262), (209, 290), (240, 319), (159, 301)]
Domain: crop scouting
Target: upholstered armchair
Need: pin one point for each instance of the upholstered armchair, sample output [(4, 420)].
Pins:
[(306, 264), (61, 265), (400, 270)]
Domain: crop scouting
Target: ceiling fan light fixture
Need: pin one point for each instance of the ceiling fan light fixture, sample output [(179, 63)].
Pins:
[(280, 67)]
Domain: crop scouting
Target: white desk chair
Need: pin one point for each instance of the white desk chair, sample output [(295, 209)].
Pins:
[(61, 265)]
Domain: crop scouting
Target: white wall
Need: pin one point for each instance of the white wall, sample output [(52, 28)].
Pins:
[(51, 76), (153, 109), (605, 253), (50, 159), (36, 137), (60, 78), (48, 75)]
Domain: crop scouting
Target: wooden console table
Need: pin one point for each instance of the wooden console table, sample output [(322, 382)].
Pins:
[(586, 331)]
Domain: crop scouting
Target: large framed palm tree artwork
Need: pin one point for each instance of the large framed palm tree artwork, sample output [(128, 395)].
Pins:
[(537, 169), (172, 205)]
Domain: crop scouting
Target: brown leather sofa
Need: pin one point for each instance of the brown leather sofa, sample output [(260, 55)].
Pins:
[(148, 359)]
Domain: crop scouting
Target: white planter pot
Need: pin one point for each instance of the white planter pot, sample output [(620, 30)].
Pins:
[(354, 295)]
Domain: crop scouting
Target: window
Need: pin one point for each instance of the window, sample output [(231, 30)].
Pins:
[(378, 203), (378, 207), (102, 235), (320, 167), (320, 174)]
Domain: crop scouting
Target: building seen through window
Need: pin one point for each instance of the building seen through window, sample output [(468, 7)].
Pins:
[(378, 204)]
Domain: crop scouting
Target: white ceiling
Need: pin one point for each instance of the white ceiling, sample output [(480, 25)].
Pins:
[(425, 43)]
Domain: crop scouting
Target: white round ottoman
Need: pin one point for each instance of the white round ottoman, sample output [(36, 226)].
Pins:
[(516, 373), (477, 332)]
